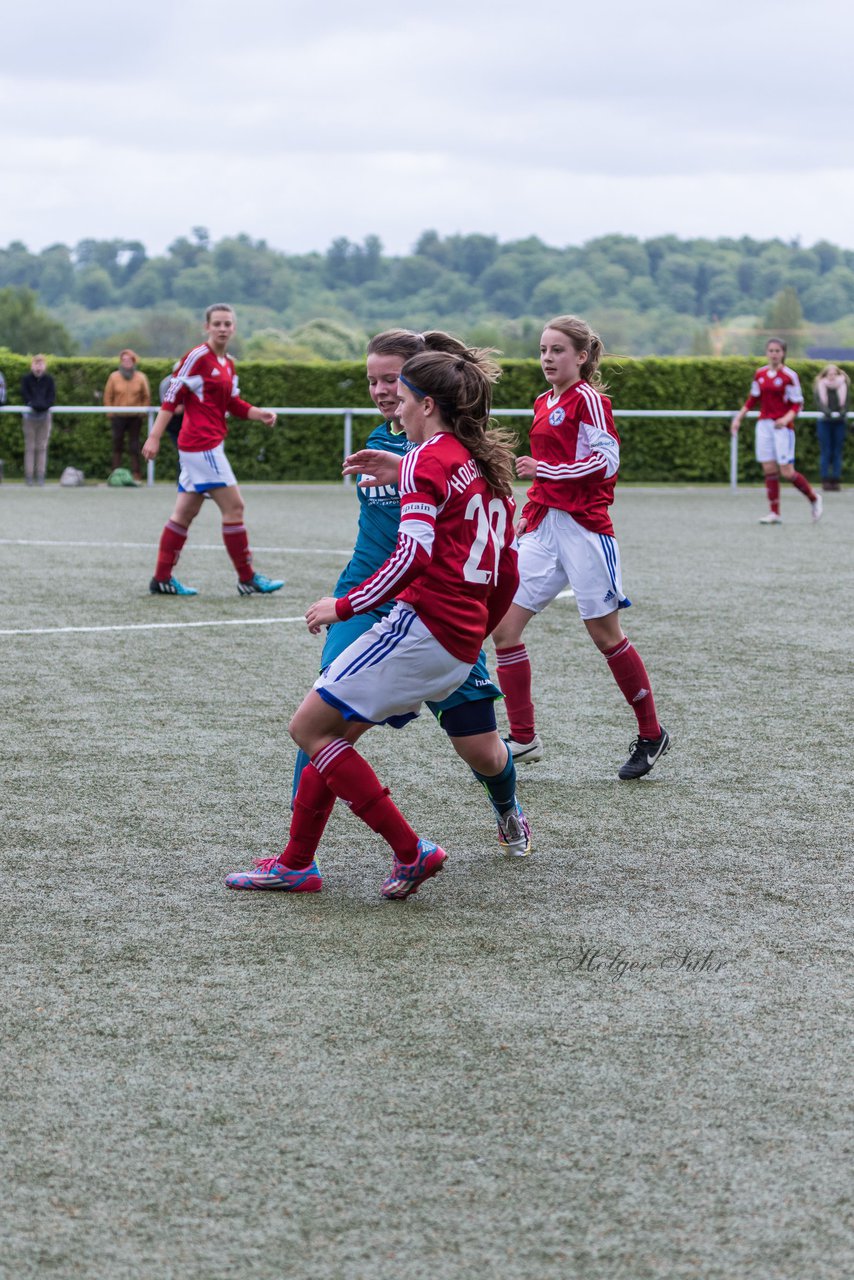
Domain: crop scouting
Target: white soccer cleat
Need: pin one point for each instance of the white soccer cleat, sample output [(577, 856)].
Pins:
[(772, 518), (817, 507), (525, 752), (514, 834)]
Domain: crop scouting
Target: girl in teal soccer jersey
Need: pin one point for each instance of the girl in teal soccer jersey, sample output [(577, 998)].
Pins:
[(468, 715)]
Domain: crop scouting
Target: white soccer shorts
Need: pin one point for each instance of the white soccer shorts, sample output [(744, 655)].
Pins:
[(561, 553), (774, 444), (386, 674), (204, 470)]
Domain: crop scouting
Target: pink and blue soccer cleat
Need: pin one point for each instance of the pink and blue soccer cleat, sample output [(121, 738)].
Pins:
[(268, 873), (407, 876)]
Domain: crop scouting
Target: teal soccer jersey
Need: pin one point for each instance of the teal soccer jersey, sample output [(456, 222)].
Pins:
[(379, 517)]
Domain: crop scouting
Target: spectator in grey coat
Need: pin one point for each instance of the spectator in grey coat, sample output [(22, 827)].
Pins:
[(38, 393)]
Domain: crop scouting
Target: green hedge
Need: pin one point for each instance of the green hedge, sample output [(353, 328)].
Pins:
[(310, 448), (687, 449)]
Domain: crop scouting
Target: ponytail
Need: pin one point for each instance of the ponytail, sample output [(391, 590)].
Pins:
[(460, 382)]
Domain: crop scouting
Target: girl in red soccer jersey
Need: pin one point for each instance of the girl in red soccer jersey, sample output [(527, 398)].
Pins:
[(777, 391), (468, 715), (206, 385), (453, 574), (569, 539)]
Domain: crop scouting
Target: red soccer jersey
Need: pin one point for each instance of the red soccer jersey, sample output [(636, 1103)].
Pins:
[(454, 562), (577, 451), (776, 392), (206, 385)]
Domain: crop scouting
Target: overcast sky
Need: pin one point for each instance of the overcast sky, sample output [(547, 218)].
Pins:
[(300, 122)]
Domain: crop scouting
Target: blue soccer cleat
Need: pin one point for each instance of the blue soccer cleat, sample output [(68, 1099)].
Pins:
[(268, 873), (407, 876), (258, 585), (171, 587)]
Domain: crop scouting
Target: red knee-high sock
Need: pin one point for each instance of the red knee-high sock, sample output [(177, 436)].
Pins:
[(772, 488), (312, 806), (630, 674), (172, 541), (513, 668), (236, 541), (353, 780), (803, 486)]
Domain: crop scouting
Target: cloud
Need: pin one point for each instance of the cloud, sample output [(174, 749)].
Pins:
[(299, 124)]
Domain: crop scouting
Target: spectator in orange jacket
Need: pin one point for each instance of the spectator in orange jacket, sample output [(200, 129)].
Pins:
[(127, 386)]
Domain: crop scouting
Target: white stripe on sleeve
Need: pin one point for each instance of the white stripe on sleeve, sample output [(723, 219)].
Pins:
[(183, 374), (794, 395), (382, 586)]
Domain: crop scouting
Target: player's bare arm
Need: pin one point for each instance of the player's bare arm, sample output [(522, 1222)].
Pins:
[(376, 466), (321, 614), (151, 447), (263, 415)]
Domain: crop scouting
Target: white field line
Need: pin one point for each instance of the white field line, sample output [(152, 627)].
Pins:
[(191, 546), (153, 626), (172, 626), (166, 626)]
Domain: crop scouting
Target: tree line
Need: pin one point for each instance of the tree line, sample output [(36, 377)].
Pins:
[(663, 295)]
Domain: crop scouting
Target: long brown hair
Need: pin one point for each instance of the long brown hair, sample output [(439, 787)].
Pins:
[(582, 338), (461, 384), (406, 343)]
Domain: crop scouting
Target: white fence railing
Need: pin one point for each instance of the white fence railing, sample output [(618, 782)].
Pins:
[(348, 414)]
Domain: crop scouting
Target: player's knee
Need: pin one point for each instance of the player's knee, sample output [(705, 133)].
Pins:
[(606, 633), (296, 729), (505, 635), (486, 756)]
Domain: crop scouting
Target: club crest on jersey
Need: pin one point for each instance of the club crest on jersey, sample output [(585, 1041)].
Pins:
[(556, 417)]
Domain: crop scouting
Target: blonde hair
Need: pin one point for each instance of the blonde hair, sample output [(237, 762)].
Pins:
[(461, 382), (582, 338), (826, 370)]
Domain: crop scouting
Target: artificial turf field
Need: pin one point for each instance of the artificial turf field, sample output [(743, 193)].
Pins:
[(202, 1084)]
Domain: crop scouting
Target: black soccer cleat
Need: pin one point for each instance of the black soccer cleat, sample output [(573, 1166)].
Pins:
[(645, 752)]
